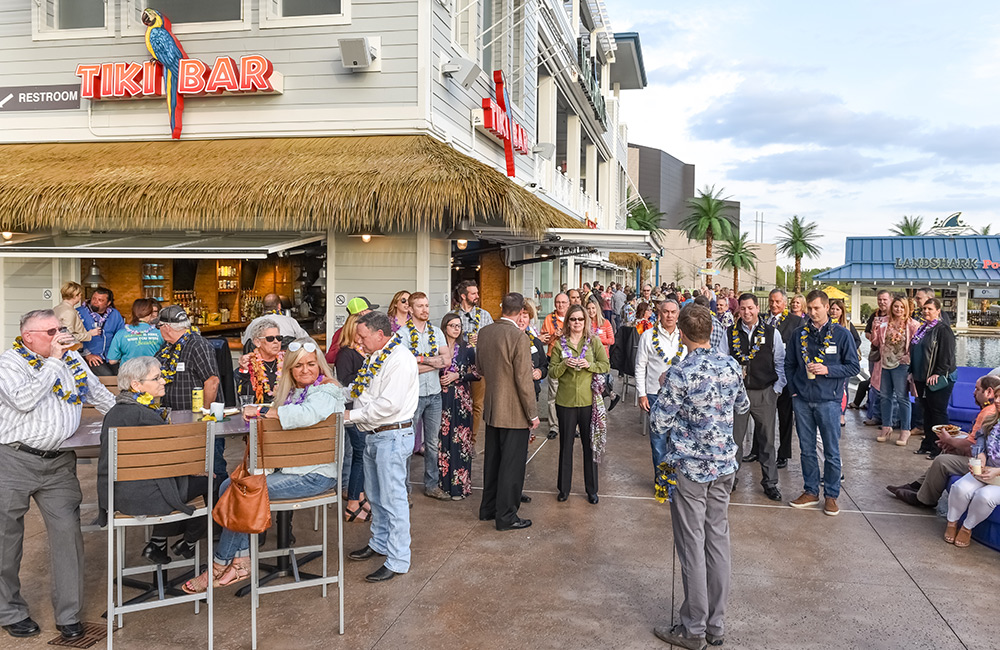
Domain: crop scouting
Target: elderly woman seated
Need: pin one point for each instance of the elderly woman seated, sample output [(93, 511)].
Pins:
[(977, 493), (141, 385), (259, 370), (307, 394)]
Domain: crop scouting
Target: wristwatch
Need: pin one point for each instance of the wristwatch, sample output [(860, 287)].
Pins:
[(262, 411)]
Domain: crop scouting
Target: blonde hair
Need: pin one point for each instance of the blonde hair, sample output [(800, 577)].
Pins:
[(286, 384), (391, 311), (349, 333), (529, 306), (71, 290), (598, 320)]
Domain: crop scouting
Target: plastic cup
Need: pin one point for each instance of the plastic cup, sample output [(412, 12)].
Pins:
[(976, 465), (810, 375), (218, 410)]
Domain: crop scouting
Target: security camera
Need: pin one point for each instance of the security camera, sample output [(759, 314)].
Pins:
[(464, 71)]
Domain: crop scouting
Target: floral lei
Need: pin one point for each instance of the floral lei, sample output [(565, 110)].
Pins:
[(169, 355), (368, 371), (827, 340), (659, 350), (778, 320), (79, 373), (758, 340), (258, 375), (145, 399), (568, 353), (302, 395), (922, 331), (415, 338)]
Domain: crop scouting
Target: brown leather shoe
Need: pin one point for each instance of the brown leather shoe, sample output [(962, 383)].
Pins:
[(907, 495), (830, 507), (806, 500), (964, 537)]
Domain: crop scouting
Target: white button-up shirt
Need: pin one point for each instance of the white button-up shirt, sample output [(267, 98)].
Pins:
[(31, 413), (648, 364), (393, 393)]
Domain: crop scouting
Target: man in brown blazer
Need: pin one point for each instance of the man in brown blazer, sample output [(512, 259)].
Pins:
[(503, 356)]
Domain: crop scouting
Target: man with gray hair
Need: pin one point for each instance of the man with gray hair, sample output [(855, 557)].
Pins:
[(42, 388), (288, 326)]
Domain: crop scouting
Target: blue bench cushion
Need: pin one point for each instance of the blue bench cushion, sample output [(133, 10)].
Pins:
[(970, 373), (987, 532), (962, 396)]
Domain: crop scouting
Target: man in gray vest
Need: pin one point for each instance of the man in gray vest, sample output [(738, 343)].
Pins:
[(758, 348)]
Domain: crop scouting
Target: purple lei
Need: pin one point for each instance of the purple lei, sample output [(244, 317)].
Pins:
[(922, 331), (302, 396), (568, 353)]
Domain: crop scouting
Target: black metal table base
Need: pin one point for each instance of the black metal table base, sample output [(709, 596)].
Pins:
[(282, 567), (152, 589)]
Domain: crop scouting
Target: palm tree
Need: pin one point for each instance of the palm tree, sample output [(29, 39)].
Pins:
[(737, 253), (642, 215), (707, 219), (908, 227), (985, 230), (798, 239)]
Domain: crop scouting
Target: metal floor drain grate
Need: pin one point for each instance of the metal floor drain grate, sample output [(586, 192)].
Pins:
[(92, 633)]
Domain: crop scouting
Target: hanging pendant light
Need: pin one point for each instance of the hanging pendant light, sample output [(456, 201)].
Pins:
[(94, 279), (462, 235)]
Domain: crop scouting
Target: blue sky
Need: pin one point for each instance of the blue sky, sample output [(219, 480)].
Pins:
[(850, 114)]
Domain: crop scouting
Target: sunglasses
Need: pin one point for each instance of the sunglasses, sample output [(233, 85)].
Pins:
[(577, 320), (52, 331), (295, 346), (270, 339)]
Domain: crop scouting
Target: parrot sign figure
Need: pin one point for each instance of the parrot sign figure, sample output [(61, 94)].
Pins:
[(167, 50)]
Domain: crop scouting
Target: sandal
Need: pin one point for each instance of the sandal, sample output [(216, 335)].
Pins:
[(358, 514), (963, 537), (950, 531), (200, 584), (234, 573)]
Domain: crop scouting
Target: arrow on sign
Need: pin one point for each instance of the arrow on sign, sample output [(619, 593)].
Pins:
[(6, 99)]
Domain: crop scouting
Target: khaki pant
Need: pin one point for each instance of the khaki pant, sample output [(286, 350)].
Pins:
[(478, 389), (935, 479)]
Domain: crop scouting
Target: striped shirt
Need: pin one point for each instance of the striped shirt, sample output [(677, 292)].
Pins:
[(31, 413)]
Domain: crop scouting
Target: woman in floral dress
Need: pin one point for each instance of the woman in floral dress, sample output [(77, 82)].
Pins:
[(456, 448)]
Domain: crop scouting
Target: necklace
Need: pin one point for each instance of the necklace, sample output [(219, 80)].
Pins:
[(79, 373), (371, 368), (302, 395), (98, 318), (922, 331), (415, 338), (757, 336), (258, 375), (821, 355), (169, 355), (568, 353), (145, 399), (659, 350)]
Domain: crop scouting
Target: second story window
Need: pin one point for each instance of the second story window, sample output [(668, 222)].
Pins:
[(304, 13), (188, 16), (54, 19)]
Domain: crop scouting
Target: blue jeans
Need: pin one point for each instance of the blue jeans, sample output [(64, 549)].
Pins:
[(824, 416), (386, 456), (279, 486), (895, 389), (354, 462), (657, 441), (429, 414)]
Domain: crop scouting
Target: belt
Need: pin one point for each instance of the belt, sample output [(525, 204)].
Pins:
[(20, 446), (391, 427)]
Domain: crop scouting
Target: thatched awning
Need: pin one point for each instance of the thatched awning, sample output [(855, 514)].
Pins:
[(292, 184), (630, 260)]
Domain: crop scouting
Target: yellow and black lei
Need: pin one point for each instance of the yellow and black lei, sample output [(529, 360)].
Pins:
[(415, 338), (827, 340), (147, 400), (75, 366), (659, 350), (758, 340), (169, 356), (371, 368)]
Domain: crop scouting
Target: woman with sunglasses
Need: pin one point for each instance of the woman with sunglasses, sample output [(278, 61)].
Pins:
[(399, 309), (350, 359), (307, 394), (456, 446), (258, 372), (576, 358)]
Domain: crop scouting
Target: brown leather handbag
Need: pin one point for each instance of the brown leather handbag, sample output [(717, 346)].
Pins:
[(244, 507)]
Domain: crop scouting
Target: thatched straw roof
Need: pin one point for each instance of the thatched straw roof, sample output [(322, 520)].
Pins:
[(630, 260), (395, 182)]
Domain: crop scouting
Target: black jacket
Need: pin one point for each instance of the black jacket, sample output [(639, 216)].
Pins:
[(939, 358), (152, 497)]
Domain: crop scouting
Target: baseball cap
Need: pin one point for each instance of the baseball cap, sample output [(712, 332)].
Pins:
[(173, 314), (359, 304)]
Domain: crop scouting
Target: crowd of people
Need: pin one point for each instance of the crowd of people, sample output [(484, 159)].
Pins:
[(706, 363)]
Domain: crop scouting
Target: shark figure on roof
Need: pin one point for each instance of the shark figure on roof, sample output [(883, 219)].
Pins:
[(167, 50)]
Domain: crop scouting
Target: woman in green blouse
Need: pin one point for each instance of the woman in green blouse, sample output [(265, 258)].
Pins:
[(576, 358)]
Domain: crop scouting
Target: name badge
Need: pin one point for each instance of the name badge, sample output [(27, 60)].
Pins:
[(180, 366), (831, 349)]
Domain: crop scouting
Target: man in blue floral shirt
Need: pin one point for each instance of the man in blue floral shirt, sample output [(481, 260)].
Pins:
[(694, 409)]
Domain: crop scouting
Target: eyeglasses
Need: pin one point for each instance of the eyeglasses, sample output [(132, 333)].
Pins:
[(156, 378), (52, 331), (455, 324), (295, 346), (577, 320), (271, 339)]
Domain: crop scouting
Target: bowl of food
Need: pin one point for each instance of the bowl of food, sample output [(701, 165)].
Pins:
[(950, 429)]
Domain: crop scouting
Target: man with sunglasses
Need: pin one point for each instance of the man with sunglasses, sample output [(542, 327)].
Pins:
[(41, 395)]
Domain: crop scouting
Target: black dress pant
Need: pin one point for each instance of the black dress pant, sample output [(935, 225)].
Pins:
[(192, 529), (572, 418), (935, 407), (504, 459), (785, 421)]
